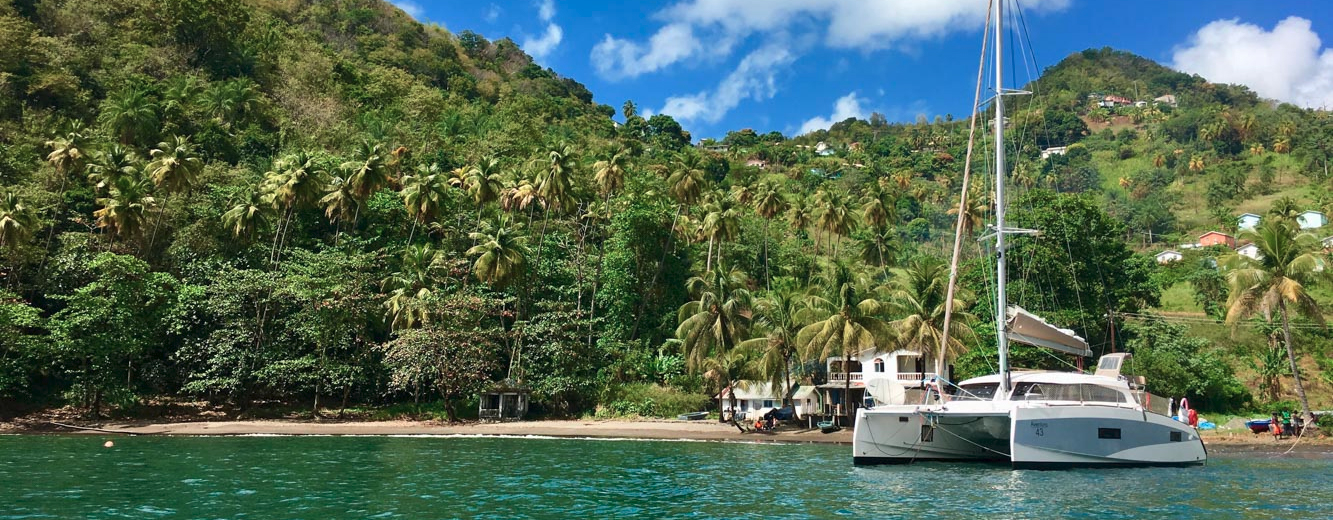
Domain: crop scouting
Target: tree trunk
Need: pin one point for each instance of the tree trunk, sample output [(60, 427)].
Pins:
[(768, 277), (731, 394), (1295, 371), (708, 260)]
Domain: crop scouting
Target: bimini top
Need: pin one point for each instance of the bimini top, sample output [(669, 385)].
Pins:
[(1025, 327)]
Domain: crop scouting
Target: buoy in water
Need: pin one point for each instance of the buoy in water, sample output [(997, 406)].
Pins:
[(108, 444)]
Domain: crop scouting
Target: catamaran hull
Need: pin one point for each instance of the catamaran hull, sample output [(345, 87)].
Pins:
[(1056, 437), (903, 435)]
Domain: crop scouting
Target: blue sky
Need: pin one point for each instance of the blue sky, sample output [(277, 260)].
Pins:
[(794, 65)]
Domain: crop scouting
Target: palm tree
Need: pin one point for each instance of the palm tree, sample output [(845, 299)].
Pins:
[(130, 115), (296, 181), (721, 222), (484, 182), (555, 182), (1285, 209), (339, 200), (835, 216), (609, 173), (67, 154), (518, 194), (502, 256), (1275, 282), (768, 203), (111, 164), (730, 368), (917, 294), (424, 195), (975, 213), (369, 171), (780, 315), (17, 220), (717, 318), (174, 166), (410, 286), (125, 207), (880, 248), (249, 212), (848, 324)]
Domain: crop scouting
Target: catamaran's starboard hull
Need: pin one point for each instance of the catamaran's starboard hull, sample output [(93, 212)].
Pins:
[(905, 434), (1057, 437)]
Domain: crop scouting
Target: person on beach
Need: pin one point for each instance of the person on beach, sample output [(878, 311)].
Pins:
[(1275, 426)]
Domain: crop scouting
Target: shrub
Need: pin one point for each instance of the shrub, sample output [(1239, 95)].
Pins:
[(649, 400)]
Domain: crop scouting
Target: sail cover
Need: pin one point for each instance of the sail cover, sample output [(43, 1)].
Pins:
[(1025, 327)]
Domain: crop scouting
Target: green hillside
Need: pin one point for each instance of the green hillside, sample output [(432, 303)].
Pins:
[(315, 206)]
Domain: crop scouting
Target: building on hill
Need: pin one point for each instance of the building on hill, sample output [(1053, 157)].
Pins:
[(1250, 251), (1217, 238), (717, 148), (1140, 104), (1169, 256), (1328, 243), (1054, 150), (822, 148), (1247, 221), (1114, 101), (1169, 99), (754, 398), (756, 163), (1311, 219)]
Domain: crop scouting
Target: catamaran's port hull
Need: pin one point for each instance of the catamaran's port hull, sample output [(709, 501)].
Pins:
[(905, 434)]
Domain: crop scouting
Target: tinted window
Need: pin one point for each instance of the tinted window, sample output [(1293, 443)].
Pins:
[(978, 391)]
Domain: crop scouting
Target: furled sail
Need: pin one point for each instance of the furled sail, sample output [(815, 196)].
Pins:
[(1025, 327)]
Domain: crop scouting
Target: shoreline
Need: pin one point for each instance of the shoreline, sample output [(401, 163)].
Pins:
[(1229, 443)]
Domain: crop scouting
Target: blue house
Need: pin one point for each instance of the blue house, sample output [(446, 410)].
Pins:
[(1247, 221), (1311, 219)]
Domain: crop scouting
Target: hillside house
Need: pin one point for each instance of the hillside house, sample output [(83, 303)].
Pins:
[(1217, 238), (1250, 251), (1140, 104), (1247, 221), (756, 163), (1114, 101), (822, 148), (1168, 256), (1169, 100), (1311, 219), (1328, 243), (1054, 150)]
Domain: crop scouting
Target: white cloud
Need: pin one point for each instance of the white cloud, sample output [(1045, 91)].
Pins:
[(754, 78), (855, 24), (615, 58), (1288, 63), (492, 13), (846, 106), (412, 9), (542, 46)]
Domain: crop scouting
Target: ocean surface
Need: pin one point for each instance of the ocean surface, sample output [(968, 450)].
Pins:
[(470, 477)]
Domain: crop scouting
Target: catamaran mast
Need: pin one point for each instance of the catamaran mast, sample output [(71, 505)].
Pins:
[(1001, 304)]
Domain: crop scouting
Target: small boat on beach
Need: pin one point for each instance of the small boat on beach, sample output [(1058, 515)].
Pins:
[(829, 426)]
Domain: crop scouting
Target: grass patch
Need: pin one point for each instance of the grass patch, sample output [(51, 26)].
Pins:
[(649, 400), (1180, 298)]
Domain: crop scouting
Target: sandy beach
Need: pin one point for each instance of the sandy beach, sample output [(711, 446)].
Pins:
[(1218, 442)]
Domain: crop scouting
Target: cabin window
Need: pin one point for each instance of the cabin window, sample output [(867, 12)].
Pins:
[(879, 365), (1110, 363), (768, 403), (978, 390), (1102, 394), (1108, 433), (1175, 437)]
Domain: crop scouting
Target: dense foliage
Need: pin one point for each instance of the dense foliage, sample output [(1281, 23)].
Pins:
[(327, 202)]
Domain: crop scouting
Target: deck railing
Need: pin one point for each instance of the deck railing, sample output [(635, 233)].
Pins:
[(839, 377)]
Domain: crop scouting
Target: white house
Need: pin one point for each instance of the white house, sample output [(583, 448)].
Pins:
[(1054, 150), (1247, 221), (905, 368), (1311, 219), (822, 148), (1168, 256), (1251, 251), (754, 398), (1169, 99), (1328, 242)]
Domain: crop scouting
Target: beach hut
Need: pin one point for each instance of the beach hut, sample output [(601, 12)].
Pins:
[(506, 400)]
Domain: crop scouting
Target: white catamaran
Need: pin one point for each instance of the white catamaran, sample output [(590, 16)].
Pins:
[(1029, 419)]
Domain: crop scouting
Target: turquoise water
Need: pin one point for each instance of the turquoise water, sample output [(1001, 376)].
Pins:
[(453, 477)]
